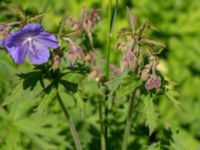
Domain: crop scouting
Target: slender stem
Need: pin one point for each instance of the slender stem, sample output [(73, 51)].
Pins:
[(128, 122), (45, 9), (108, 39), (102, 136), (107, 68), (71, 123)]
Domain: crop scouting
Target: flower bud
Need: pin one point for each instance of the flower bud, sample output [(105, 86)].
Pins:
[(75, 52), (56, 62), (128, 60), (145, 74), (153, 82), (4, 32)]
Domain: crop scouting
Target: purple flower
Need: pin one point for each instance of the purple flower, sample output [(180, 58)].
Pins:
[(31, 39)]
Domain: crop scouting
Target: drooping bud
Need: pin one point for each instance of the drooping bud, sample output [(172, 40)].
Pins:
[(56, 62), (128, 60), (4, 32), (75, 52), (145, 72), (153, 82)]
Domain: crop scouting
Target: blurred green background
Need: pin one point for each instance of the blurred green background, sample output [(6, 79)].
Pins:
[(178, 22)]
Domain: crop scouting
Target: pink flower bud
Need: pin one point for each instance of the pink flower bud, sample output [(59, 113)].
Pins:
[(128, 60), (145, 74), (56, 62), (75, 52), (153, 82)]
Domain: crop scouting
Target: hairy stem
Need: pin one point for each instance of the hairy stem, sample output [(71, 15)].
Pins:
[(128, 122), (71, 123)]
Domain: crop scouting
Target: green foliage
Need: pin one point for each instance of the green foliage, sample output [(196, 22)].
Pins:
[(149, 112), (30, 117)]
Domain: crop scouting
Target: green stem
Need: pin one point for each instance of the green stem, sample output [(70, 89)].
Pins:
[(128, 123), (102, 136), (108, 39), (44, 9), (71, 123)]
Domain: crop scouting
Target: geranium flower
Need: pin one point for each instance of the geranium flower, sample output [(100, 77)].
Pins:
[(31, 39)]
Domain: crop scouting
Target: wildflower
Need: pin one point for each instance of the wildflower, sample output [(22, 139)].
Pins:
[(128, 60), (153, 82), (31, 39), (75, 52)]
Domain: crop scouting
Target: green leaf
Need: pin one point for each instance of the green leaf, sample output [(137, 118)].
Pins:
[(129, 87), (154, 146), (113, 85), (149, 113), (172, 94), (30, 79), (46, 101), (69, 86), (80, 102)]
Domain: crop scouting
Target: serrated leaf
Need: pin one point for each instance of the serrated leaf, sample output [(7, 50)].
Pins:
[(80, 102), (69, 86), (172, 94), (149, 113), (113, 86), (46, 101), (128, 88)]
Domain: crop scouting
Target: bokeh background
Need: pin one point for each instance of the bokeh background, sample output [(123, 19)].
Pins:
[(178, 24)]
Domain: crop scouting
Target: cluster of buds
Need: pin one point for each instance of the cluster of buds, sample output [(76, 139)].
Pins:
[(134, 57), (75, 52), (86, 21), (148, 74)]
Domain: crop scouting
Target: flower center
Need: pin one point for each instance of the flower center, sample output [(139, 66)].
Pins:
[(29, 39)]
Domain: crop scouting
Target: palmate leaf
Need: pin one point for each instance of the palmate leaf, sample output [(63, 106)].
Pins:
[(149, 113), (41, 131), (46, 100), (129, 86), (172, 94), (113, 85)]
